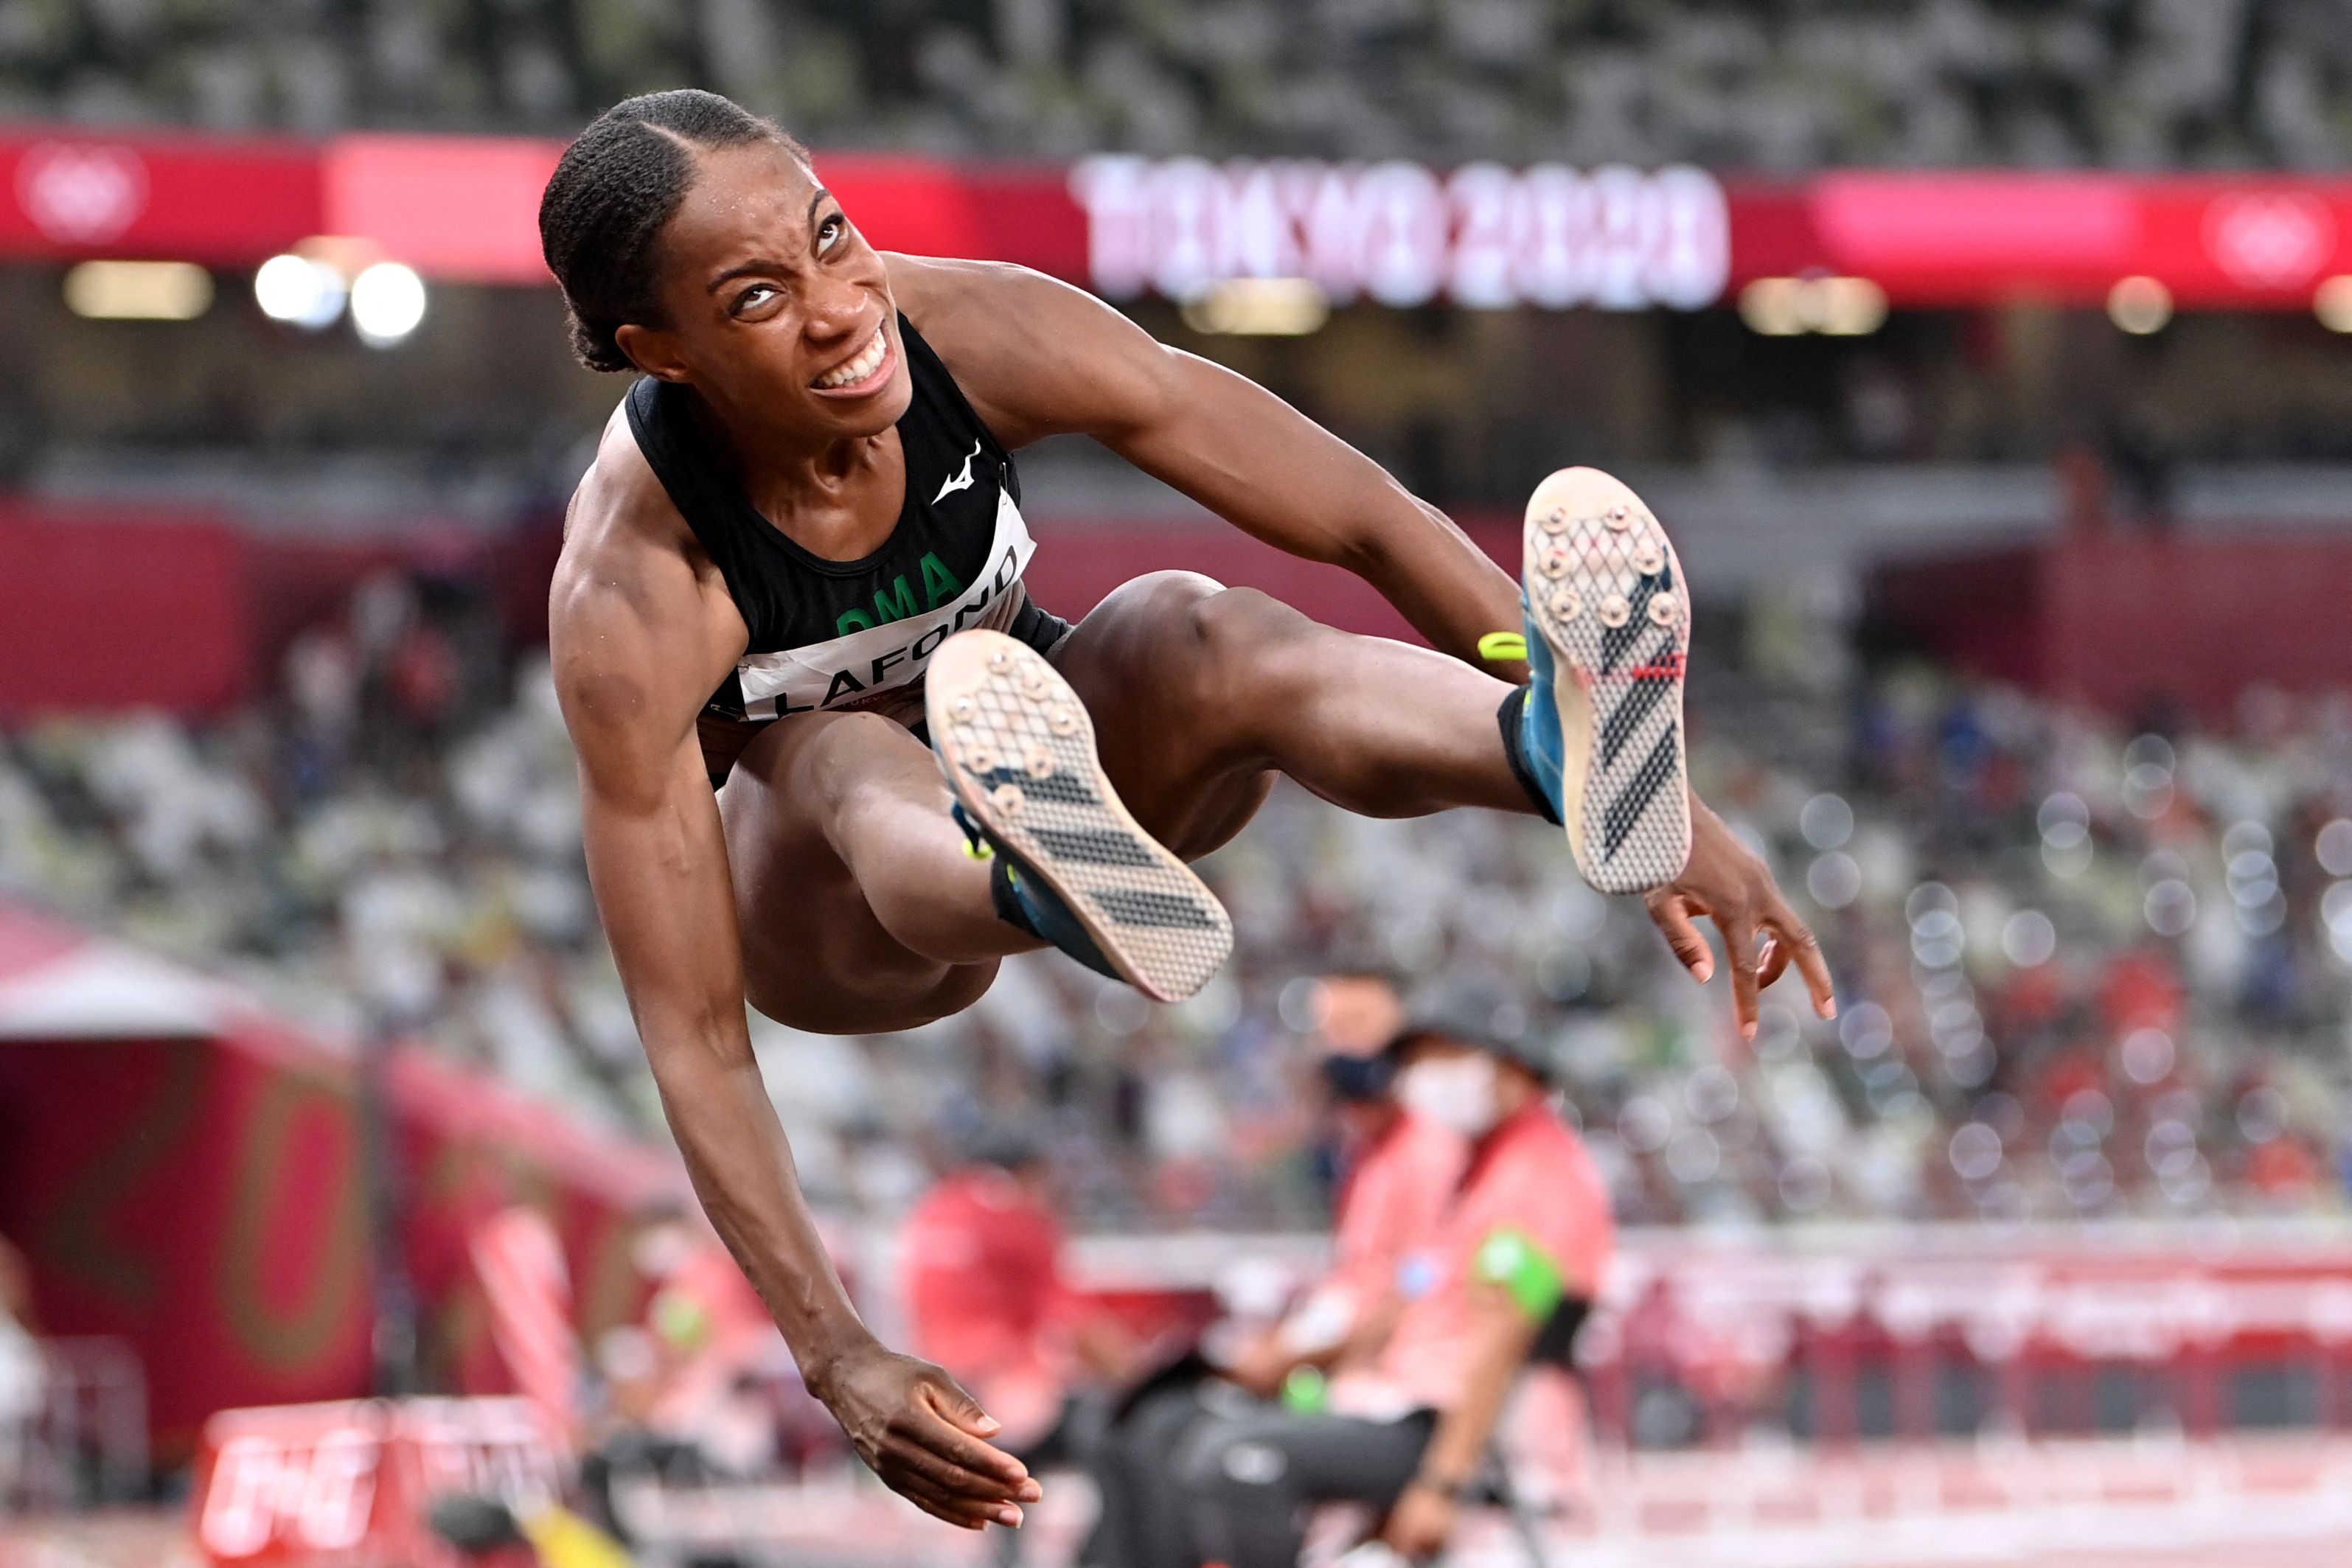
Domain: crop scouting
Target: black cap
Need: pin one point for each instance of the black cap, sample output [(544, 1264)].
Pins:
[(1485, 1018)]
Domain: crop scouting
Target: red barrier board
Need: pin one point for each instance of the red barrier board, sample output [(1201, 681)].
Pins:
[(348, 1485), (203, 1200)]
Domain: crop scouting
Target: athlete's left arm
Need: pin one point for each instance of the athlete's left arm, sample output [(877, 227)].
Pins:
[(1039, 358)]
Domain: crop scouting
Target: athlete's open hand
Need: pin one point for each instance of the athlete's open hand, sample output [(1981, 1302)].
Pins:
[(1724, 880), (925, 1437)]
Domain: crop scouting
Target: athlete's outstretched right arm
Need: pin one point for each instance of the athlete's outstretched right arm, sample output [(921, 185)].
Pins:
[(634, 645)]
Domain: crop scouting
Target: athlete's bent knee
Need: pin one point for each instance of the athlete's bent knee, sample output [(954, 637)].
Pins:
[(1238, 615), (1157, 595), (1242, 630), (849, 755)]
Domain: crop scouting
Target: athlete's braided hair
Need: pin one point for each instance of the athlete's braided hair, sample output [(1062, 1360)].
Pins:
[(601, 219)]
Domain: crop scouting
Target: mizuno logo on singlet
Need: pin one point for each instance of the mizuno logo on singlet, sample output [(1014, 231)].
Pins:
[(961, 482)]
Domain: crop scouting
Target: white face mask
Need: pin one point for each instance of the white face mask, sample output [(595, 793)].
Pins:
[(1457, 1092)]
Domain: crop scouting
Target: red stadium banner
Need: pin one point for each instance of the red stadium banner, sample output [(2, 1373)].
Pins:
[(457, 208), (2214, 241), (977, 211), (461, 208), (70, 193), (464, 209)]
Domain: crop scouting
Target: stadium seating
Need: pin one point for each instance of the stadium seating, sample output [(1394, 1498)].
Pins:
[(2135, 83)]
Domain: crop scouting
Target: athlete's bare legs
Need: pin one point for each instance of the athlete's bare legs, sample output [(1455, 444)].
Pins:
[(1201, 694), (861, 909)]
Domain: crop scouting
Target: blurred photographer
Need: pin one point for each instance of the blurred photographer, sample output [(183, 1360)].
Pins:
[(1398, 1168), (1529, 1231)]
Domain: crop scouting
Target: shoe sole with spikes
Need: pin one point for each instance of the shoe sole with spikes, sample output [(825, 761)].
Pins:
[(1018, 750), (1606, 593)]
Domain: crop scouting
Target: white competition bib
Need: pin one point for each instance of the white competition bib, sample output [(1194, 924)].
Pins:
[(838, 671)]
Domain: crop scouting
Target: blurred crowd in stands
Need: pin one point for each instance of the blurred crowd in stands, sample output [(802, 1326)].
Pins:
[(2143, 83), (390, 843), (2085, 969)]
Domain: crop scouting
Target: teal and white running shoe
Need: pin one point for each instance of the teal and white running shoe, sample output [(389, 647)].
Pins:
[(1608, 640), (1072, 866)]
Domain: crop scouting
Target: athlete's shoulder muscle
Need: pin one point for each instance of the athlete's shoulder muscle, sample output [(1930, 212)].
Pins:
[(638, 636), (1035, 356)]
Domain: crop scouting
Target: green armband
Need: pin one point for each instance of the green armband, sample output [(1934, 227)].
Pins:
[(1510, 1258)]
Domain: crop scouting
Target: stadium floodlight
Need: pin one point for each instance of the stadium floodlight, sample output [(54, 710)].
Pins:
[(1772, 307), (1260, 306), (2140, 305), (1790, 307), (139, 291), (2333, 304), (299, 291), (387, 303), (1846, 307)]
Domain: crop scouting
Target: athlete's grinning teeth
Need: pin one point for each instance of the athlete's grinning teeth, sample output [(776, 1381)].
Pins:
[(868, 361)]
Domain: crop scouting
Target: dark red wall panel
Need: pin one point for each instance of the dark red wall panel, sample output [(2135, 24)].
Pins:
[(100, 610), (2198, 620), (2119, 621)]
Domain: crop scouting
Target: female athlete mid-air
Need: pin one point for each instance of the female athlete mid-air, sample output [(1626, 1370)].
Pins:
[(837, 763)]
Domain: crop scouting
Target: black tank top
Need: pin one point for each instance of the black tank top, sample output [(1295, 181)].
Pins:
[(852, 633)]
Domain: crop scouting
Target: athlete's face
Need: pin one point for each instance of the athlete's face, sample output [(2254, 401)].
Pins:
[(773, 302)]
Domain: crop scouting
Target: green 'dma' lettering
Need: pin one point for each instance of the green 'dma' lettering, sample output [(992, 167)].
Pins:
[(939, 583), (897, 602)]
